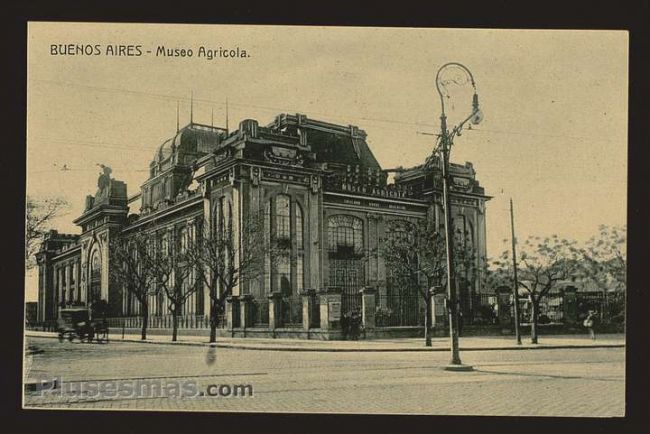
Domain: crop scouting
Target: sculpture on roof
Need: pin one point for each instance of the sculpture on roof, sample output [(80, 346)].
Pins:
[(104, 178)]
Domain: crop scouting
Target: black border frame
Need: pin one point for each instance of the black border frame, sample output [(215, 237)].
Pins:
[(510, 14)]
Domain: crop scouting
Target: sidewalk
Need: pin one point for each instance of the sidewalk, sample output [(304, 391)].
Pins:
[(406, 344)]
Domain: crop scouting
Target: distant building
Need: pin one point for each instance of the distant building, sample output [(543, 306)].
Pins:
[(320, 188)]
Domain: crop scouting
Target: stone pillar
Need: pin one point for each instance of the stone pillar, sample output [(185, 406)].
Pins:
[(570, 305), (232, 312), (275, 310), (330, 309), (439, 310), (368, 307), (307, 308), (245, 306), (503, 306), (68, 287)]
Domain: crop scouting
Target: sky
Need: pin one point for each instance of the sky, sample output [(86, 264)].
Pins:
[(553, 137)]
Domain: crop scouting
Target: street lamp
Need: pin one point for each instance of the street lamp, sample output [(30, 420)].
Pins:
[(446, 141)]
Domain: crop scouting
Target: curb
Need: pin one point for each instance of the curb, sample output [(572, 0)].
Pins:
[(357, 350)]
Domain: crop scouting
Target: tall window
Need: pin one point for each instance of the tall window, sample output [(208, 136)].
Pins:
[(346, 265), (300, 251), (283, 223), (183, 240), (282, 217)]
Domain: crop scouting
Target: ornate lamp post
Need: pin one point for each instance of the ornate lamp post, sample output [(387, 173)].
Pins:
[(446, 141)]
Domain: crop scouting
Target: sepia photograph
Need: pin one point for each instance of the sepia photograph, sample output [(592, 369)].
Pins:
[(325, 219)]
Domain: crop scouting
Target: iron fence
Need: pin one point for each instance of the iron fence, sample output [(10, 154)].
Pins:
[(551, 309), (483, 309), (350, 300), (292, 310), (260, 312), (394, 310), (166, 321)]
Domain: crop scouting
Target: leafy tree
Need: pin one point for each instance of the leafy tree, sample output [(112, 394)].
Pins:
[(130, 269), (38, 218), (603, 261), (415, 256), (542, 264)]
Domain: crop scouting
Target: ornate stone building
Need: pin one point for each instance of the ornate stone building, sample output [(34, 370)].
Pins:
[(319, 188)]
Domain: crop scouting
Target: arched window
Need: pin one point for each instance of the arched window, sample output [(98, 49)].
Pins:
[(345, 236), (95, 276), (95, 265)]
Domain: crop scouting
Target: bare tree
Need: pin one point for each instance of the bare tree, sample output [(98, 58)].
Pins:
[(173, 271), (38, 218), (130, 269), (227, 257), (542, 264)]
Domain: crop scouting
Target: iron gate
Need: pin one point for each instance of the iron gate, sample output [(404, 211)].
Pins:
[(349, 275)]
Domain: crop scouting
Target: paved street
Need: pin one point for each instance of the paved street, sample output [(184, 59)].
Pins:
[(549, 382)]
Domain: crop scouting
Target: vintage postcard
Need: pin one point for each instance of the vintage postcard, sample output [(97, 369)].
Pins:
[(249, 218)]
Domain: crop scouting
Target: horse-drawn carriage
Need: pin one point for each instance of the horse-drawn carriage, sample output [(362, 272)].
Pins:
[(82, 323)]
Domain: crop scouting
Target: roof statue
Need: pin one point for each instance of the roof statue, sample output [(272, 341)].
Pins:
[(104, 178)]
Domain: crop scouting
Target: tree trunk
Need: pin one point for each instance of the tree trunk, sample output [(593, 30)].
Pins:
[(213, 321), (174, 325), (427, 321), (145, 319), (533, 318), (603, 307)]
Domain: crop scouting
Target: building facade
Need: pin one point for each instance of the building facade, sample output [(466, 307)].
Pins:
[(319, 188)]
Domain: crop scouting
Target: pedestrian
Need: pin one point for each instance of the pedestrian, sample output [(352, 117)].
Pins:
[(355, 324), (345, 326), (589, 324)]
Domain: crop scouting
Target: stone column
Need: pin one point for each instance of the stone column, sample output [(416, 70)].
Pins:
[(569, 304), (439, 310), (368, 307), (68, 287), (307, 308), (77, 278), (232, 312), (60, 288), (275, 310), (330, 309), (245, 306)]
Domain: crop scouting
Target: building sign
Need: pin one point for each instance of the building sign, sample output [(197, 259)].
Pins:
[(334, 310), (376, 204)]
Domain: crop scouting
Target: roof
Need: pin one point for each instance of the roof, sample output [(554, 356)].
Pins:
[(192, 138), (331, 143), (334, 147)]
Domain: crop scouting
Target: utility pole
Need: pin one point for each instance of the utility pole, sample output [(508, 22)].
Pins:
[(452, 297), (515, 288), (446, 141)]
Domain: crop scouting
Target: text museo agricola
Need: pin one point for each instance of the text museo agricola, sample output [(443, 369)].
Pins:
[(138, 50)]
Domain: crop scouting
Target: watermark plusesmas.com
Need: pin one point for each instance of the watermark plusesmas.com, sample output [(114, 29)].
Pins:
[(140, 388)]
